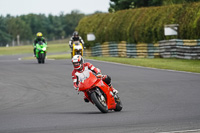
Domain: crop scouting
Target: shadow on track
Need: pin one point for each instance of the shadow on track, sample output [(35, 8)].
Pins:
[(70, 113)]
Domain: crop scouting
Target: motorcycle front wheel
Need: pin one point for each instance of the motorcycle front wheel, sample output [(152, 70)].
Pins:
[(39, 60), (43, 58), (100, 102)]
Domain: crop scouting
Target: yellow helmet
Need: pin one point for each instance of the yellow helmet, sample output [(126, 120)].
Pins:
[(39, 34)]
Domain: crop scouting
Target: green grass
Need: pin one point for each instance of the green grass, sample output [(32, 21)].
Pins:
[(52, 48), (57, 57), (16, 50), (171, 64)]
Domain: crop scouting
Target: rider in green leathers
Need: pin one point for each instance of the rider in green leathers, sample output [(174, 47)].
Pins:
[(39, 37)]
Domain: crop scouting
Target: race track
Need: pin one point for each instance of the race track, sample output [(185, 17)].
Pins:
[(40, 98)]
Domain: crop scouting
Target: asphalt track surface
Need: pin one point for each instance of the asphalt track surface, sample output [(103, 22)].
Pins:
[(39, 98)]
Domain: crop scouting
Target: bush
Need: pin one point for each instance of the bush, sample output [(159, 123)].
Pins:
[(142, 25)]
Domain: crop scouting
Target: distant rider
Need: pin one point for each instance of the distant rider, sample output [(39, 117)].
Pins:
[(80, 66), (75, 37), (39, 37)]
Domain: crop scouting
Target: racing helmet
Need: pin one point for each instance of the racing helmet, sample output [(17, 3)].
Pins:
[(75, 36), (75, 33), (39, 34), (77, 62)]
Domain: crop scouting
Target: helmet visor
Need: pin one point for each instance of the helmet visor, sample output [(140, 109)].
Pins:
[(77, 65), (39, 38)]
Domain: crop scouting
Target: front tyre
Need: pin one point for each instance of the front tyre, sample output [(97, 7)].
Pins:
[(39, 61), (43, 58), (100, 102), (39, 58)]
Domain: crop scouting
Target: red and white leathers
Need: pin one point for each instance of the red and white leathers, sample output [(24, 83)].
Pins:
[(77, 73)]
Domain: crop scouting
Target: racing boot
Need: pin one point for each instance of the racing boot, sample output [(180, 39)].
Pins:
[(86, 100), (107, 80), (34, 52), (114, 90)]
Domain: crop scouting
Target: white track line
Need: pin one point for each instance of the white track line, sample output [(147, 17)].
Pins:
[(184, 131)]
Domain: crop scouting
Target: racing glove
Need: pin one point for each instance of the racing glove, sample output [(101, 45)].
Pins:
[(99, 75), (77, 89)]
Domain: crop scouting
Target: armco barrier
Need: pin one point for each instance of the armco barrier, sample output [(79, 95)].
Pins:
[(175, 48), (183, 49), (123, 49)]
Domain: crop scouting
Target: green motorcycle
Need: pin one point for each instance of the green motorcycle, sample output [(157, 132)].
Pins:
[(41, 48)]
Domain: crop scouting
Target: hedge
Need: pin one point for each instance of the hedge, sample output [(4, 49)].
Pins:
[(142, 25)]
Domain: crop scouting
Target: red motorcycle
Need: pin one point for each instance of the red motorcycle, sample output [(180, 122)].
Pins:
[(98, 92)]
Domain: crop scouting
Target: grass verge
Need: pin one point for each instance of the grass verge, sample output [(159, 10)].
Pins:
[(160, 63), (171, 64), (52, 48)]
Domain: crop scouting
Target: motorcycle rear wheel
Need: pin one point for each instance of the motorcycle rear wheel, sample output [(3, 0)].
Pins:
[(102, 106)]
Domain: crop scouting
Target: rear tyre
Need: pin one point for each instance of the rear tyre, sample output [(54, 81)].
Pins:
[(99, 102)]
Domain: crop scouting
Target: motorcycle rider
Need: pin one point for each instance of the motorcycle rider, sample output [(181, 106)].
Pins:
[(75, 37), (80, 66), (39, 37)]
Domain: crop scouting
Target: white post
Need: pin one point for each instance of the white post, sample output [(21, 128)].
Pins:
[(18, 40)]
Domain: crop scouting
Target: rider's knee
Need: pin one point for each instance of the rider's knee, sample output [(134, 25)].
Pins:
[(107, 79)]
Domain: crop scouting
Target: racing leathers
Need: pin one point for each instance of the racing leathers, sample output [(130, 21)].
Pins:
[(89, 66), (73, 38)]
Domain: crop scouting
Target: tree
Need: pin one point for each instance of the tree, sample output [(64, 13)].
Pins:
[(70, 21), (16, 26), (52, 27), (37, 23), (4, 36), (56, 27), (116, 5)]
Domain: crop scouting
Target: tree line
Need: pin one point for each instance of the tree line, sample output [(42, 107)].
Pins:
[(116, 5), (26, 26), (63, 25)]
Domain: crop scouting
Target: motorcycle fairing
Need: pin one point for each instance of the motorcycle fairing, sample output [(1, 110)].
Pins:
[(40, 48), (88, 84), (77, 46)]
